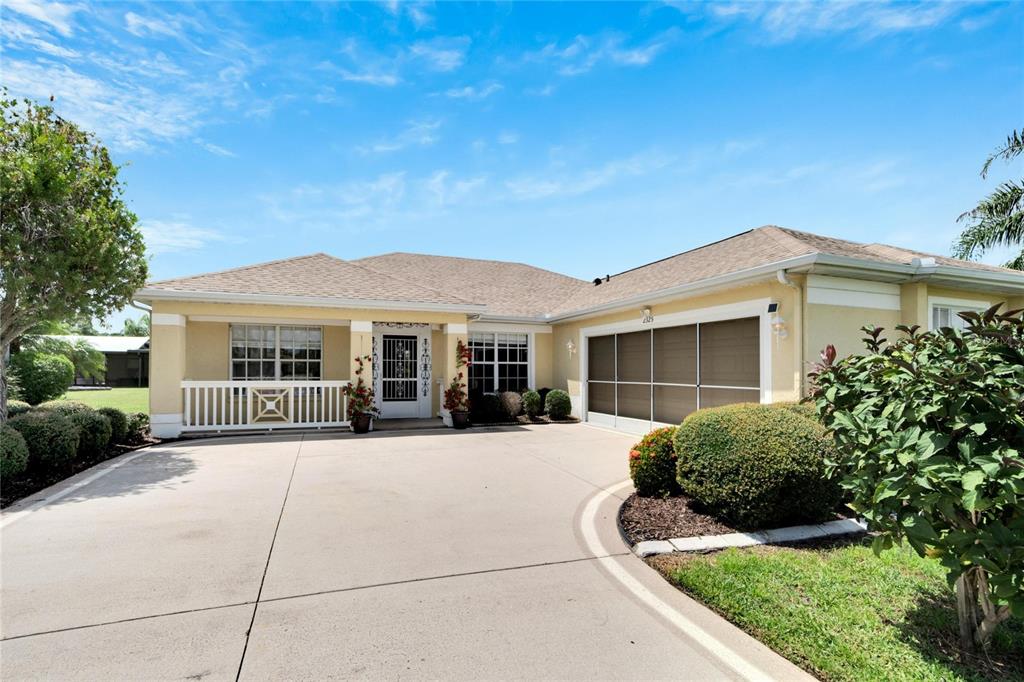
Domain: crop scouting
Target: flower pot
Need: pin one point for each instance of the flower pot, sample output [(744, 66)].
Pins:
[(460, 420), (361, 423)]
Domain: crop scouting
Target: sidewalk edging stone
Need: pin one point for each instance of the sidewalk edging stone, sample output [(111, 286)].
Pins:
[(705, 543)]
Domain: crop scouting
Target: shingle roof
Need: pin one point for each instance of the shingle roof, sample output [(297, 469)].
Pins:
[(520, 290), (317, 275), (508, 289)]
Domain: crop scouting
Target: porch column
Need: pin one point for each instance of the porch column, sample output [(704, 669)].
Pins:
[(360, 344), (167, 343), (453, 333)]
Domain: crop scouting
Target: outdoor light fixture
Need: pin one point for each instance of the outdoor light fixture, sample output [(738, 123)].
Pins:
[(646, 316), (570, 346), (779, 326)]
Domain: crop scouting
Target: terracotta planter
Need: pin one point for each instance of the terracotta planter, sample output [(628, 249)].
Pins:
[(460, 420), (361, 423)]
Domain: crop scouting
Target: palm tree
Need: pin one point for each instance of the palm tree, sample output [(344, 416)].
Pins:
[(998, 219)]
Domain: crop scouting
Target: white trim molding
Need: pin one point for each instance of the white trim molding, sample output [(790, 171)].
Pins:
[(456, 328), (754, 308), (852, 293), (361, 326), (167, 320), (242, 319)]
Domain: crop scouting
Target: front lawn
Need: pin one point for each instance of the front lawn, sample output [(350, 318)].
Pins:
[(125, 399), (843, 614)]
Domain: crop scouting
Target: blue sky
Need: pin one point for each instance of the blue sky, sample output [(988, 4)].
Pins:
[(584, 138)]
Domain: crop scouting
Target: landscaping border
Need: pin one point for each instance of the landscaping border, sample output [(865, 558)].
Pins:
[(778, 536)]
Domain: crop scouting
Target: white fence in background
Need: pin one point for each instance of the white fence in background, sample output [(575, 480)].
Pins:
[(238, 405)]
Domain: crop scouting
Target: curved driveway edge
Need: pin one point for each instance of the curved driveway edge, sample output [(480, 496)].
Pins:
[(443, 554)]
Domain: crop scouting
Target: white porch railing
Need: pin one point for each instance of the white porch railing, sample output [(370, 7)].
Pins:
[(237, 405)]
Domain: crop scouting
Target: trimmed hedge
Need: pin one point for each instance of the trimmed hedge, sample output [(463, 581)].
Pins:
[(757, 466), (16, 407), (93, 433), (511, 404), (485, 408), (42, 376), (652, 464), (532, 404), (138, 428), (557, 404), (65, 407), (803, 409), (118, 423), (51, 437), (13, 452)]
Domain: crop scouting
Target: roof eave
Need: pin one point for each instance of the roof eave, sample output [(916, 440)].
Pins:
[(148, 295)]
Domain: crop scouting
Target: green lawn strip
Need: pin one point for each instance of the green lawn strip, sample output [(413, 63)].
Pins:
[(124, 399), (844, 614)]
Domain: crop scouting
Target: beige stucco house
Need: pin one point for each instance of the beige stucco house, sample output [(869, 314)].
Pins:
[(269, 346)]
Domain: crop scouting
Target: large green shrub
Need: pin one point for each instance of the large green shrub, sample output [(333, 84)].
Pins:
[(557, 404), (757, 466), (652, 464), (42, 376), (51, 437), (803, 409), (16, 407), (93, 433), (930, 436), (485, 408), (13, 452), (118, 423), (531, 403)]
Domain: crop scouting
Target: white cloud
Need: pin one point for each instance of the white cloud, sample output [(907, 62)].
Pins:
[(508, 137), (470, 92), (545, 91), (370, 77), (140, 26), (55, 14), (785, 21), (441, 54), (562, 184), (175, 236), (583, 53), (447, 192), (215, 149), (416, 133)]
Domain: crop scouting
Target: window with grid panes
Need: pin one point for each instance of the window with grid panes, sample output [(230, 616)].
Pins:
[(500, 362), (276, 352)]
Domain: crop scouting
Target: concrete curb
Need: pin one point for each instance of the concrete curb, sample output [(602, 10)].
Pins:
[(705, 543)]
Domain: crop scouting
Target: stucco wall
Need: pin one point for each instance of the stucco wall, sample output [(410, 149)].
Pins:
[(840, 326), (543, 358)]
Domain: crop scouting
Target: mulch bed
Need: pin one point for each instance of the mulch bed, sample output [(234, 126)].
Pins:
[(523, 419), (32, 481), (655, 518)]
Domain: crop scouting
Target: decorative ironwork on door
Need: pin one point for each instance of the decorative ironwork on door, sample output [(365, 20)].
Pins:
[(399, 368)]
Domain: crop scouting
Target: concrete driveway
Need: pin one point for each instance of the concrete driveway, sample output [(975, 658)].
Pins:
[(433, 554)]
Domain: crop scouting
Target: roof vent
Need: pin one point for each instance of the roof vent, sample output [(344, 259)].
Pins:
[(597, 280), (923, 262)]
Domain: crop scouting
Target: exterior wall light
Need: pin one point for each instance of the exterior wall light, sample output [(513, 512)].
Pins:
[(570, 346)]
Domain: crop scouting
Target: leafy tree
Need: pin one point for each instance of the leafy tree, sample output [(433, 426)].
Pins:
[(89, 362), (998, 219), (930, 436), (139, 327), (68, 243)]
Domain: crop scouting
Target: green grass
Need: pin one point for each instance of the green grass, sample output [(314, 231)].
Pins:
[(844, 614), (124, 399)]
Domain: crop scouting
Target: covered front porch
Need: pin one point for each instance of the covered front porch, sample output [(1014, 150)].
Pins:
[(216, 370)]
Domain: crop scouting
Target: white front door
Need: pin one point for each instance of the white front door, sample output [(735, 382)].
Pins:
[(402, 370)]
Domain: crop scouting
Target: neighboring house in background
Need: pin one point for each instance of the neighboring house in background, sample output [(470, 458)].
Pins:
[(742, 319), (127, 359)]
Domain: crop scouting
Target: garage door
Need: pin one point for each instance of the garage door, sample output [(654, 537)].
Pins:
[(662, 375)]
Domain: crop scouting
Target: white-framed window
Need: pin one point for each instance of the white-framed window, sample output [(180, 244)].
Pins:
[(944, 313), (501, 362), (275, 352)]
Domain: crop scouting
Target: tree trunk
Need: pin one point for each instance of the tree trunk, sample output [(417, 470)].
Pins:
[(966, 610)]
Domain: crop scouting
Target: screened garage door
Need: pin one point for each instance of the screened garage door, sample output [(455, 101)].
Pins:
[(662, 375)]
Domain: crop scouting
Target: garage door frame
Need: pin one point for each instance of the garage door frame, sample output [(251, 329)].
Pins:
[(753, 308)]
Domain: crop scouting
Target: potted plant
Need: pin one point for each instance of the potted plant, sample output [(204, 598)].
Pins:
[(361, 407), (456, 398)]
